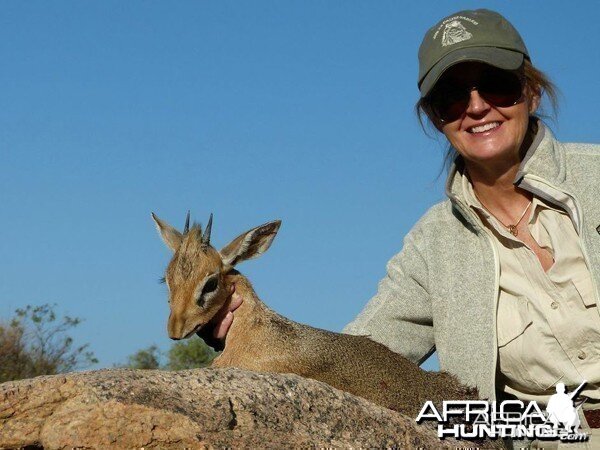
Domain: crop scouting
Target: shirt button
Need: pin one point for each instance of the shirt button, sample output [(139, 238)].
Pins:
[(581, 355), (554, 305)]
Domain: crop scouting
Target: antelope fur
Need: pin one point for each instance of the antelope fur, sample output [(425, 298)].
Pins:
[(261, 340)]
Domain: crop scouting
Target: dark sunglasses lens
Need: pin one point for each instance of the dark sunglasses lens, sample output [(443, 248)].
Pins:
[(501, 88), (449, 103), (498, 87)]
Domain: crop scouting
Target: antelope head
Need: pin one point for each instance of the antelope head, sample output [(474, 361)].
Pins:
[(197, 274)]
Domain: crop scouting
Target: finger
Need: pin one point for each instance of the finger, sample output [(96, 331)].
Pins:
[(232, 305), (236, 301), (220, 315), (223, 326)]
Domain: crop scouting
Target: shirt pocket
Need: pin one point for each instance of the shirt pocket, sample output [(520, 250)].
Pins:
[(585, 289), (513, 320), (522, 356)]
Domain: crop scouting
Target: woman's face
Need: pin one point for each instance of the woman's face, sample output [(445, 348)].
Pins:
[(485, 133)]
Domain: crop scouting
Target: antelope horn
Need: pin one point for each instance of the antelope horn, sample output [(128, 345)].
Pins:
[(206, 236), (186, 228)]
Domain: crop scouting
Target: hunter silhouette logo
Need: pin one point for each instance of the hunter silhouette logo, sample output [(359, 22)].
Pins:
[(561, 410), (455, 32)]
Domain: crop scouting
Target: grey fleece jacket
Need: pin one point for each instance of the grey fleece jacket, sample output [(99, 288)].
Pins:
[(441, 290)]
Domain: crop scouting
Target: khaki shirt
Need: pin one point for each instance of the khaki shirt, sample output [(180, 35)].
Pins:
[(548, 323)]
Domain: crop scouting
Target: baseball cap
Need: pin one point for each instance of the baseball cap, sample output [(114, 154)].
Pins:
[(479, 35)]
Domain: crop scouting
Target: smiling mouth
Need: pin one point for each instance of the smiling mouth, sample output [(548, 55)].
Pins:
[(484, 128)]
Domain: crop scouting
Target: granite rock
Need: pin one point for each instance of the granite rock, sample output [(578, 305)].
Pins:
[(202, 408)]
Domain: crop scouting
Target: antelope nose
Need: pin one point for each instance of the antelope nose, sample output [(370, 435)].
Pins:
[(175, 329)]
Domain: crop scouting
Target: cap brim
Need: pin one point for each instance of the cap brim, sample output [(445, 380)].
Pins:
[(494, 56)]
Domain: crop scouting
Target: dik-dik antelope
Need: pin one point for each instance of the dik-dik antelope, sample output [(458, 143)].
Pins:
[(199, 280)]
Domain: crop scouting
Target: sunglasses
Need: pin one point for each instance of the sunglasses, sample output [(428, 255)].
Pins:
[(449, 99)]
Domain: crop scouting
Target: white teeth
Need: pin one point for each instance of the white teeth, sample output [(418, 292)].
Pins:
[(485, 127)]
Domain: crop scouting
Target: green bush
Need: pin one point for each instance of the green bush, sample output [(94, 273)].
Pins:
[(189, 354), (35, 342)]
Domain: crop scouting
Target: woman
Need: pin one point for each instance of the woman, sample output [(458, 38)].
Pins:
[(501, 278)]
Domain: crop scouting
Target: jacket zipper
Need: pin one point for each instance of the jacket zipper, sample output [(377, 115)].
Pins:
[(495, 310), (496, 290)]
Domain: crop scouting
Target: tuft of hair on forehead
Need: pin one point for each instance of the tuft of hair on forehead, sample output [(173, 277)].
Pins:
[(194, 234), (193, 239), (196, 227), (192, 255), (196, 231)]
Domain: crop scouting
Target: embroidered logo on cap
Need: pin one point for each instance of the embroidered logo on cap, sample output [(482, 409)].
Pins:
[(455, 32)]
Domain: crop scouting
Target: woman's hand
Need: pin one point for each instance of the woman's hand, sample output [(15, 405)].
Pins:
[(224, 317), (214, 332)]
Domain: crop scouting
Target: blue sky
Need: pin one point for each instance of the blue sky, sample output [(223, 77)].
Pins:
[(297, 110)]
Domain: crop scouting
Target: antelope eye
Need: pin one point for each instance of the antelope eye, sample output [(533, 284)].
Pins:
[(211, 284)]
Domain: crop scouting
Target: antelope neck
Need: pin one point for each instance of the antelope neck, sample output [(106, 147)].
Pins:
[(244, 288)]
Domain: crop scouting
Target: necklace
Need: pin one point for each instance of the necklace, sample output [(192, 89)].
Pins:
[(512, 228)]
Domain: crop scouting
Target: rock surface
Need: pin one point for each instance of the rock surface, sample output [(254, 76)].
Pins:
[(203, 408)]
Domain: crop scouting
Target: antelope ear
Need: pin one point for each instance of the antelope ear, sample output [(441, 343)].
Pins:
[(250, 244), (169, 235)]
